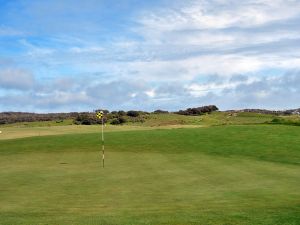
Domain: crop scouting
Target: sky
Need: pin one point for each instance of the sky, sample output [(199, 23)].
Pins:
[(67, 55)]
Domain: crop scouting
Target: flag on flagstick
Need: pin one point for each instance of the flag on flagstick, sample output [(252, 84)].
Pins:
[(99, 115)]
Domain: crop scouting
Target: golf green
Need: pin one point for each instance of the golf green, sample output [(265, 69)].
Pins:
[(211, 176)]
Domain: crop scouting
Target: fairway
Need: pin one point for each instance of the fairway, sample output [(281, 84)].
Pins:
[(248, 175), (21, 132)]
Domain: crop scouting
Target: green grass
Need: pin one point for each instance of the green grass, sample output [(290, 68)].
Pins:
[(291, 120), (13, 132), (211, 176)]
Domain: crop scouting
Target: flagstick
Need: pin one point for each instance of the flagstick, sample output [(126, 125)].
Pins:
[(102, 145)]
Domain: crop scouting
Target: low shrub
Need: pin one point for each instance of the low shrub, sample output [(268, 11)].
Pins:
[(198, 111), (133, 113), (117, 121), (285, 122)]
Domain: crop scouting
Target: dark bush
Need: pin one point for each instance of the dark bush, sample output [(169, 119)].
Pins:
[(121, 113), (117, 121), (86, 119), (276, 120), (285, 122), (86, 122), (122, 120), (199, 110), (133, 113)]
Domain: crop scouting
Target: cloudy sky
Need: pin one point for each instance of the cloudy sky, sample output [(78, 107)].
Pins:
[(67, 55)]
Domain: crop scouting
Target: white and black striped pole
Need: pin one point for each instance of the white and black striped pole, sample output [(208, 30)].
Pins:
[(102, 143), (99, 115)]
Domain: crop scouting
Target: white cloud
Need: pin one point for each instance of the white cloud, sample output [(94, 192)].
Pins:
[(262, 94), (206, 14), (11, 78), (185, 41), (161, 57), (59, 98), (92, 49), (200, 90), (188, 69), (36, 51), (150, 93)]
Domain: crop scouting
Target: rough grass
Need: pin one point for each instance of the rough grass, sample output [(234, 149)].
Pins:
[(217, 175), (215, 118), (284, 120), (39, 123)]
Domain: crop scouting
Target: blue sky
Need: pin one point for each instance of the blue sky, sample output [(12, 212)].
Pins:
[(82, 55)]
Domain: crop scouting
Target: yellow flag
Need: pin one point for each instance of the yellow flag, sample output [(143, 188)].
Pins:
[(99, 115)]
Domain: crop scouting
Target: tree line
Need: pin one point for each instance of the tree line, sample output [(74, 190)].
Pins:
[(119, 117)]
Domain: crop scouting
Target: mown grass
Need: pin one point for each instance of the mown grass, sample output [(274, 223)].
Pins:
[(14, 132), (215, 175)]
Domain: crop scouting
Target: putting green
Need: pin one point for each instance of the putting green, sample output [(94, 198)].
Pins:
[(217, 175)]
